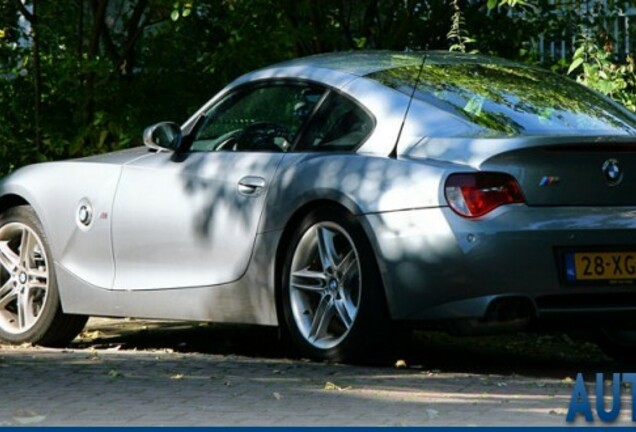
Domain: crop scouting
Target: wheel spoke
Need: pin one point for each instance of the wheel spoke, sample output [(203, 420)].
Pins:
[(308, 280), (343, 313), (322, 318), (36, 284), (347, 263), (38, 274), (7, 293), (25, 309), (8, 259), (326, 248), (26, 246), (7, 299)]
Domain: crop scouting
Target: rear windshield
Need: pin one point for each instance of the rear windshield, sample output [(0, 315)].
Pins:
[(510, 100)]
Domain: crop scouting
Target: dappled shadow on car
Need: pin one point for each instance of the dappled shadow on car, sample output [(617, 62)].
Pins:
[(541, 355)]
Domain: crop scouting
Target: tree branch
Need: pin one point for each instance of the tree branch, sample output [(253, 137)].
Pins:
[(24, 11), (133, 23), (134, 30), (98, 23)]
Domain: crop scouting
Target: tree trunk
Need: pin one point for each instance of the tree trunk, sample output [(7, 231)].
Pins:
[(99, 9), (32, 18), (37, 80), (80, 30)]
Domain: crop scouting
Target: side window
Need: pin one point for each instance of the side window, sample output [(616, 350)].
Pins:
[(263, 118), (339, 125)]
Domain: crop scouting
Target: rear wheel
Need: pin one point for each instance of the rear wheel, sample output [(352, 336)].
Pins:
[(332, 298), (30, 309)]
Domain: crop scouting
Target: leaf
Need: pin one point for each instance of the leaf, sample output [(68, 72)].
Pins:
[(432, 413), (331, 386), (91, 335), (26, 416), (579, 52), (30, 420), (492, 4), (177, 376), (186, 12), (360, 43), (277, 395), (400, 364), (174, 15), (575, 64), (113, 373), (605, 87)]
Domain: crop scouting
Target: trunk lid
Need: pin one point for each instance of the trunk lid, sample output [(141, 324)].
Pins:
[(578, 173)]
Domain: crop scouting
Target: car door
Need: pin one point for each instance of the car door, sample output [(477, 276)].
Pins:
[(190, 219)]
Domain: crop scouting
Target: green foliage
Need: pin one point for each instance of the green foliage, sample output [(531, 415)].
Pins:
[(458, 34), (594, 66), (111, 67), (512, 3), (508, 100)]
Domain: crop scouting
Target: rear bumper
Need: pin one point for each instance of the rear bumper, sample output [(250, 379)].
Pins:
[(437, 265)]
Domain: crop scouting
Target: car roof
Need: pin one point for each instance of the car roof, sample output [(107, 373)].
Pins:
[(340, 68), (362, 63)]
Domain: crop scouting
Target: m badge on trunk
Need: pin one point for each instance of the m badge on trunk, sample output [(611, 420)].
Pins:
[(612, 172)]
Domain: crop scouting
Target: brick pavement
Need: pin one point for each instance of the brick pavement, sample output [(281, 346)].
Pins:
[(113, 387)]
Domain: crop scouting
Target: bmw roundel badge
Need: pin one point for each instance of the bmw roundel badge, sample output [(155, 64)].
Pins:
[(612, 172)]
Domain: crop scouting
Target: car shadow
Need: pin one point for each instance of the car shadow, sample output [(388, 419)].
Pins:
[(541, 355)]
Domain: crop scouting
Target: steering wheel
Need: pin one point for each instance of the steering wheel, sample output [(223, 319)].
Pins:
[(228, 140), (261, 135)]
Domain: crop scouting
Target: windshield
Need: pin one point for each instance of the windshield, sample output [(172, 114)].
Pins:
[(512, 100)]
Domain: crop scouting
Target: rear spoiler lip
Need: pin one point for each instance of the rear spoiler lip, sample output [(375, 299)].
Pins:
[(614, 147), (474, 151)]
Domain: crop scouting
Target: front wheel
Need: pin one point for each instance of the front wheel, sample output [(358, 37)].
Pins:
[(332, 298), (30, 309)]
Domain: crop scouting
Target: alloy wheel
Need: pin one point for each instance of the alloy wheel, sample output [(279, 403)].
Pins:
[(24, 278), (325, 285)]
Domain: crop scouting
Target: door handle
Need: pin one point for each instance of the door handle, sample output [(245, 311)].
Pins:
[(251, 185)]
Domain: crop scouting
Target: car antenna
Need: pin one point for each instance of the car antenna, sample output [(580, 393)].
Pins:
[(393, 154)]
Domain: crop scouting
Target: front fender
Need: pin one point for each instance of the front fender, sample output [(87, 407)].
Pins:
[(56, 190)]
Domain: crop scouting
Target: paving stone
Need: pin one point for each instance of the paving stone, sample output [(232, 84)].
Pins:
[(47, 387)]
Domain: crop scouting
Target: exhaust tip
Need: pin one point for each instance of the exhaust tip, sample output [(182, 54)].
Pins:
[(504, 314), (510, 309)]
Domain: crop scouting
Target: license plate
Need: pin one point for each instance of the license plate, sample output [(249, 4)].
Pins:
[(597, 266)]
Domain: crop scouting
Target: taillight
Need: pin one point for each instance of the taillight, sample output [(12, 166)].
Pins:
[(475, 194)]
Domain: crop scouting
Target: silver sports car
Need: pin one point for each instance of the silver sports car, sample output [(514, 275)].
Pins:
[(341, 197)]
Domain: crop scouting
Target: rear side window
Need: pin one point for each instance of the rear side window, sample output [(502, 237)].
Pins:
[(339, 125), (511, 100)]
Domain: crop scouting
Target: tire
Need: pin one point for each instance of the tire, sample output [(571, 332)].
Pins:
[(619, 344), (30, 309), (332, 298)]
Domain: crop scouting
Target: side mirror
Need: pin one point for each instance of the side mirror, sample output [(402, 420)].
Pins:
[(163, 136)]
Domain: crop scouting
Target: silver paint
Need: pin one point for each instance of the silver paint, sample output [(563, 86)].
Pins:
[(197, 237)]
